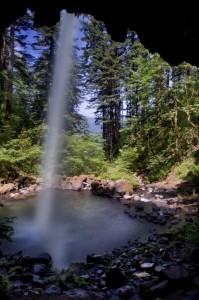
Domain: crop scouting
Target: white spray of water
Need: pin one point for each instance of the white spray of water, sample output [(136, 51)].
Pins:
[(56, 109)]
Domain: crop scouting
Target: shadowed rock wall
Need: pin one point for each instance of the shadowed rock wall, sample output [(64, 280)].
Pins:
[(172, 31)]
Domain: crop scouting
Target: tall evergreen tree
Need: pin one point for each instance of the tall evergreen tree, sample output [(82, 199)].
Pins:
[(74, 122), (44, 46), (102, 70), (15, 78), (46, 42)]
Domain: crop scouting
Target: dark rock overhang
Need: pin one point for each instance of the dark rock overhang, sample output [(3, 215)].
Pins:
[(172, 31)]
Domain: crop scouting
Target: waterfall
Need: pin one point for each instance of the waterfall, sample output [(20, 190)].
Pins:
[(55, 115)]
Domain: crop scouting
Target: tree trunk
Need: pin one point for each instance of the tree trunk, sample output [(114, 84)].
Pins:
[(2, 51), (10, 63)]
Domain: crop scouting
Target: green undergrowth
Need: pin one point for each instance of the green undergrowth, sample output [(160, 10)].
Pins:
[(188, 170), (4, 283), (115, 172), (6, 228), (189, 234)]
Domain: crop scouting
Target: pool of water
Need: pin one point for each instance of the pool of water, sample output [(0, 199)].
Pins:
[(80, 224)]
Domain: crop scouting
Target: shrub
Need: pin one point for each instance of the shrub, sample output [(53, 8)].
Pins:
[(81, 154), (184, 168), (188, 170), (4, 283), (158, 167), (115, 172), (22, 154), (6, 230), (188, 233)]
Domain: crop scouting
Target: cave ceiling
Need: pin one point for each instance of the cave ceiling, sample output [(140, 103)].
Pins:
[(162, 26)]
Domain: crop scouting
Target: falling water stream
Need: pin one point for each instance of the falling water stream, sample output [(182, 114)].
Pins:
[(57, 103)]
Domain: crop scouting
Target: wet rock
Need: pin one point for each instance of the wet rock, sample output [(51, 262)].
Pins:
[(153, 238), (52, 290), (174, 222), (125, 292), (44, 258), (145, 285), (66, 184), (159, 269), (160, 289), (94, 258), (127, 197), (76, 269), (17, 269), (17, 284), (37, 281), (41, 269), (99, 272), (131, 214), (146, 265), (16, 195), (161, 220), (155, 208), (123, 186), (141, 274), (158, 196), (178, 276), (77, 183), (139, 207), (145, 199), (85, 277), (6, 188), (27, 262), (115, 278), (80, 294)]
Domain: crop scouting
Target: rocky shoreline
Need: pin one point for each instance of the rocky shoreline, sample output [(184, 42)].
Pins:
[(138, 270), (163, 266)]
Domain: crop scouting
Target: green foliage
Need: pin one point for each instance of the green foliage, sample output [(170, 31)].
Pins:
[(188, 233), (188, 170), (102, 72), (128, 158), (115, 172), (4, 283), (81, 154), (21, 155), (183, 168), (77, 280), (56, 278), (36, 134), (134, 159), (123, 167), (158, 166), (6, 230), (80, 282), (193, 175)]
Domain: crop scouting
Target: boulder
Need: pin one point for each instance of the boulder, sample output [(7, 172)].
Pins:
[(123, 187), (6, 188)]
